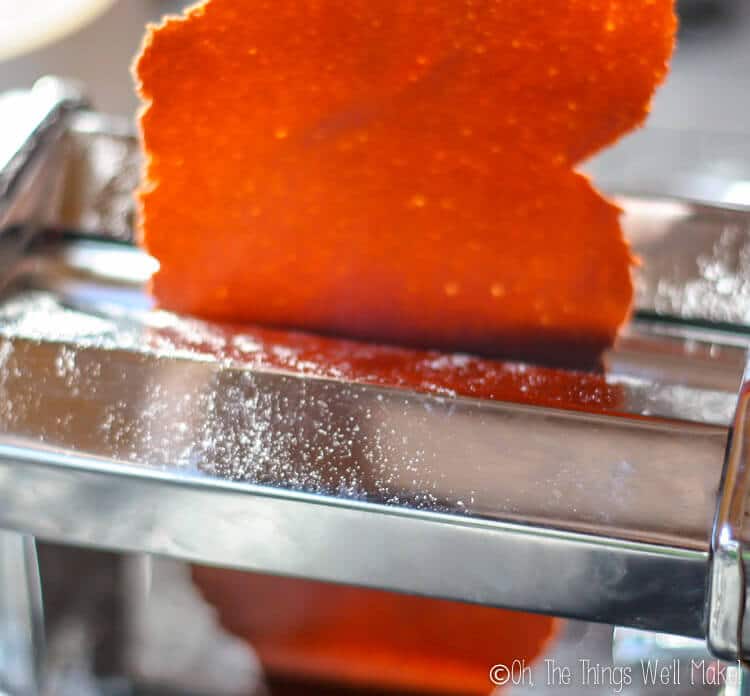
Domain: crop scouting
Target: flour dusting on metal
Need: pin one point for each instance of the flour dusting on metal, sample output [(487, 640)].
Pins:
[(197, 408), (698, 262)]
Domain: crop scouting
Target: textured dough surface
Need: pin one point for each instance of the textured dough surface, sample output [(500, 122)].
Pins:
[(399, 170)]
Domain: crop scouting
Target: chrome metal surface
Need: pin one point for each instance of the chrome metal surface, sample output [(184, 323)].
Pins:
[(728, 618), (699, 166), (101, 170), (583, 495), (21, 616), (696, 260), (141, 386), (245, 448), (100, 503), (32, 126)]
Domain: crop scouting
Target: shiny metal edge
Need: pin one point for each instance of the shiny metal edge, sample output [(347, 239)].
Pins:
[(698, 166), (22, 635), (166, 393), (661, 371), (29, 119), (695, 260), (33, 126), (728, 597), (300, 535)]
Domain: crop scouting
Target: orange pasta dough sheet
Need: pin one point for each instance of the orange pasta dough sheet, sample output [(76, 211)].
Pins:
[(399, 170), (372, 639)]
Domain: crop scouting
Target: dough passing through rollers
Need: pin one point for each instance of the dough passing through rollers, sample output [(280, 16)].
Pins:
[(400, 171)]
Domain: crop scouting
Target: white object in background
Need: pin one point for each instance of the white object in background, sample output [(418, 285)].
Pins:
[(26, 25)]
